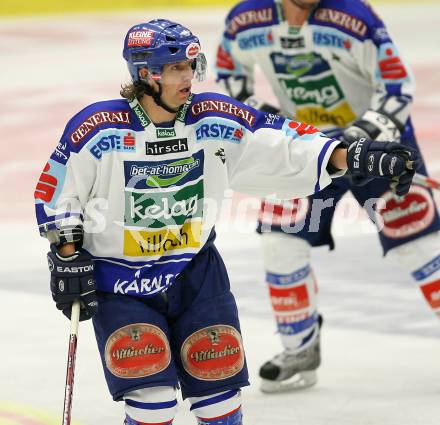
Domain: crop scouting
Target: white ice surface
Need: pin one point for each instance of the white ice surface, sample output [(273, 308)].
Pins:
[(380, 344)]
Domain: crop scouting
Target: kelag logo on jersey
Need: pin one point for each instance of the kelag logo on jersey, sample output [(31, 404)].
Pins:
[(254, 39), (331, 39), (163, 133), (217, 129), (163, 205), (159, 209), (148, 175), (112, 140), (314, 89), (325, 92)]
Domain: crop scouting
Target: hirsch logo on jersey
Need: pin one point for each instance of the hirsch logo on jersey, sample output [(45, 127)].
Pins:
[(330, 39), (249, 18), (255, 39), (292, 42), (166, 146), (104, 117), (139, 243), (342, 20), (140, 38), (158, 209), (112, 140), (213, 353), (215, 129), (207, 106)]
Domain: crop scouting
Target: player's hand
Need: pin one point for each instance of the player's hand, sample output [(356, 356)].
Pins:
[(367, 160), (72, 279)]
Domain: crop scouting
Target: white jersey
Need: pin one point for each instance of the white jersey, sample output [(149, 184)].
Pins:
[(339, 64), (145, 196)]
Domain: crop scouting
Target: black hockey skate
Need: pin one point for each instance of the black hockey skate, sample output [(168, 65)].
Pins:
[(291, 371)]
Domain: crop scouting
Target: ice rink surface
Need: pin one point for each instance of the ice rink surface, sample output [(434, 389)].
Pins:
[(381, 344)]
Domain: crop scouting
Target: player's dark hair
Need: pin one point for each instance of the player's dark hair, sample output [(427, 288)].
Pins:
[(133, 91)]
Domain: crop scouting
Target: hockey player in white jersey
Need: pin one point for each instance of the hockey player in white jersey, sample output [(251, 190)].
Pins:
[(331, 64), (150, 275)]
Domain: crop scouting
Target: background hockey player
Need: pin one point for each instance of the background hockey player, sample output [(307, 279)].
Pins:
[(152, 279), (331, 64)]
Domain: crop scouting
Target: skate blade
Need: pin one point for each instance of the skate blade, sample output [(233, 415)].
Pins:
[(297, 382)]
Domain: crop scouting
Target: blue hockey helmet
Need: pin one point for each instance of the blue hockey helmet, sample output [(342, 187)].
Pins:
[(159, 42)]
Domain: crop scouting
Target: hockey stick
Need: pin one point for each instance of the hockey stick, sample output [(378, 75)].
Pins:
[(426, 181), (71, 356)]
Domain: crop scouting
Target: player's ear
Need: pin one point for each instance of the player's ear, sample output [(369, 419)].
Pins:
[(143, 73)]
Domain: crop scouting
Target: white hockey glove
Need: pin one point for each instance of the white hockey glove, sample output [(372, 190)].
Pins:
[(373, 126)]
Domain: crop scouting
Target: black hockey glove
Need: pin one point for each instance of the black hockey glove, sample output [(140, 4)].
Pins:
[(72, 278), (367, 160)]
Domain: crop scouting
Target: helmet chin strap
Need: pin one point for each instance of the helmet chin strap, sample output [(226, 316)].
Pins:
[(157, 97)]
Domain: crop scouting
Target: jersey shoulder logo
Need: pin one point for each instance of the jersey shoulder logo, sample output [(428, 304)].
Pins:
[(342, 20), (250, 19), (97, 119)]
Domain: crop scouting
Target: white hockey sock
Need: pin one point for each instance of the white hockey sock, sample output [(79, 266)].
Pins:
[(218, 409), (422, 259), (292, 289), (156, 405)]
